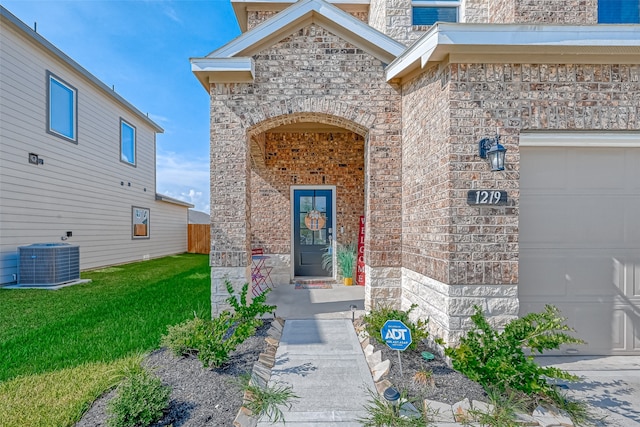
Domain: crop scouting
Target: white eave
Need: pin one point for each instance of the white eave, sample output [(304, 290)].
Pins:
[(273, 30), (518, 43), (223, 70), (167, 199), (241, 7)]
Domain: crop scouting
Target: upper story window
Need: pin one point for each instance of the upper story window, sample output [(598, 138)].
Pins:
[(428, 12), (62, 108), (127, 143), (618, 11)]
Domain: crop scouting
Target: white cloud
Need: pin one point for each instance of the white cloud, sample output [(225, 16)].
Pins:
[(185, 179)]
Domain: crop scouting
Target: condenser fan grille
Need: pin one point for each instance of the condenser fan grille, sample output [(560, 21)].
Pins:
[(48, 264)]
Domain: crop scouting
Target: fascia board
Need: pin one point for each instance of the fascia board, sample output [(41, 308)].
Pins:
[(167, 199), (413, 56), (301, 14), (510, 39), (241, 7), (622, 139), (227, 70)]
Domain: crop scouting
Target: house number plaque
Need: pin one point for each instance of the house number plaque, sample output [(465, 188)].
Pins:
[(487, 197)]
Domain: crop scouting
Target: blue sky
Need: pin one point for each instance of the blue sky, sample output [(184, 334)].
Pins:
[(142, 47)]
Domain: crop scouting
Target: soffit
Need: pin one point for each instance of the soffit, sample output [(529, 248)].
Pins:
[(514, 43), (214, 68)]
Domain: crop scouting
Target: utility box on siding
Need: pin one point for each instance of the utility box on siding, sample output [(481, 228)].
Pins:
[(48, 264)]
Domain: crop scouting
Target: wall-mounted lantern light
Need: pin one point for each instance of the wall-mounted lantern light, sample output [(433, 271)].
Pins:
[(490, 148)]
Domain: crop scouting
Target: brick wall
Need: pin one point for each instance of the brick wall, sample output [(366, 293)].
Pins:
[(314, 76), (332, 158), (455, 255), (255, 17), (544, 11), (475, 11), (427, 184)]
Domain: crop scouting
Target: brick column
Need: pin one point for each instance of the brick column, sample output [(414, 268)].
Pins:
[(230, 174), (383, 209)]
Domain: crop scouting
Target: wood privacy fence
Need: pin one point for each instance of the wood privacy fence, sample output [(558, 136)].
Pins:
[(199, 240)]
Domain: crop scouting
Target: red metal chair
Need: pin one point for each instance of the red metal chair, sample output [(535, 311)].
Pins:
[(260, 273)]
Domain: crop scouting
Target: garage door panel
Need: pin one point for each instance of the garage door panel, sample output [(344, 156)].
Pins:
[(553, 176), (596, 222), (592, 276), (618, 332), (594, 169), (631, 220), (549, 224), (632, 162), (552, 282), (580, 241), (553, 219)]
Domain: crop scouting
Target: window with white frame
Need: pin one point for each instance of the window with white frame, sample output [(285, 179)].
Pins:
[(428, 12), (140, 223), (127, 143), (618, 11), (62, 108)]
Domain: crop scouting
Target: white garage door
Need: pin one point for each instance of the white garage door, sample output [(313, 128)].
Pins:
[(580, 235)]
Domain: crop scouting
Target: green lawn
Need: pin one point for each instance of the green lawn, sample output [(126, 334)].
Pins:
[(120, 314)]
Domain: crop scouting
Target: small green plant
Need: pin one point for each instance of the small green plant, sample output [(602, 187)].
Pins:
[(248, 312), (346, 257), (376, 319), (578, 411), (498, 359), (424, 377), (214, 340), (503, 409), (185, 338), (140, 400), (266, 401), (381, 413)]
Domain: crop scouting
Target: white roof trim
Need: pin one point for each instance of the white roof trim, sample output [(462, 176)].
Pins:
[(47, 45), (304, 13), (613, 139), (209, 70), (167, 199), (472, 41), (240, 7)]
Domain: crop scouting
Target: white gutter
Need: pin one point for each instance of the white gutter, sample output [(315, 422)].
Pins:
[(509, 39)]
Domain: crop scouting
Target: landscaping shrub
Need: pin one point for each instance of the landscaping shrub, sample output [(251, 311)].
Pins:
[(214, 340), (140, 400), (498, 359), (376, 319), (265, 401)]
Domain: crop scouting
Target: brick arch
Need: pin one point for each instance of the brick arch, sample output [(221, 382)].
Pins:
[(302, 109)]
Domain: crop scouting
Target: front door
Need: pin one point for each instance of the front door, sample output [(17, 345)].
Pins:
[(312, 230)]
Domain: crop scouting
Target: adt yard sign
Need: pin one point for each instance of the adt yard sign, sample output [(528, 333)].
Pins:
[(396, 335)]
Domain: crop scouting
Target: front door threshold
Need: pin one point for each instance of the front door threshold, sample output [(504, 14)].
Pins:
[(314, 279)]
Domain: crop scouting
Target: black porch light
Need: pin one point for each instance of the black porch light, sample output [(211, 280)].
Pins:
[(490, 148)]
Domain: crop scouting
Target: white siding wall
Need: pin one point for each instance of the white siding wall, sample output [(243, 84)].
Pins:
[(78, 188)]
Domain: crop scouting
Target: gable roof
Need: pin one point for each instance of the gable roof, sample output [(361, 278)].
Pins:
[(232, 62), (241, 7), (519, 43)]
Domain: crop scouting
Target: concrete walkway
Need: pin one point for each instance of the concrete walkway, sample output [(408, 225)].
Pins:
[(320, 357), (323, 361), (610, 385)]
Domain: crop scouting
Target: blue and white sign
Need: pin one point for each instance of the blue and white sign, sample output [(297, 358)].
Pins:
[(396, 335)]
